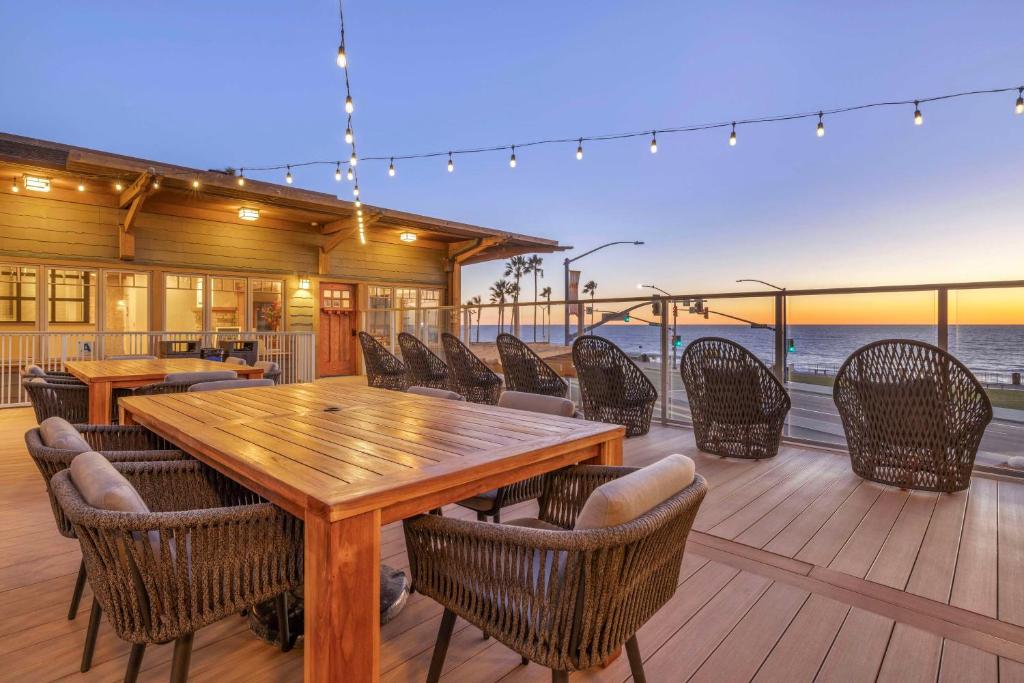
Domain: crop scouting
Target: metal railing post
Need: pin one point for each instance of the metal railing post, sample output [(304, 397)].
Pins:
[(665, 379), (779, 366), (943, 319)]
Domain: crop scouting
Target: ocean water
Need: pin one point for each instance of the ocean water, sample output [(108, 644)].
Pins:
[(990, 351)]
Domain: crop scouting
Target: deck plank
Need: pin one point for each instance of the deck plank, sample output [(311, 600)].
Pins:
[(975, 579)]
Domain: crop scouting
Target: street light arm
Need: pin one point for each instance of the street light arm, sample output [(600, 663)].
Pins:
[(576, 258), (658, 289), (766, 284)]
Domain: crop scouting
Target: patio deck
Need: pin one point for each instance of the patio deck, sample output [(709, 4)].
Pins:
[(797, 570)]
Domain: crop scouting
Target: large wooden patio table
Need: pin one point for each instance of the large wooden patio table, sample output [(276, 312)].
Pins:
[(349, 459), (103, 376)]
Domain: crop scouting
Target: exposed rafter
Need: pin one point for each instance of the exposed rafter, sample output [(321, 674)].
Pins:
[(341, 231), (133, 197)]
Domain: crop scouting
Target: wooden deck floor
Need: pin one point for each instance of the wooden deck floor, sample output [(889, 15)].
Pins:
[(797, 571)]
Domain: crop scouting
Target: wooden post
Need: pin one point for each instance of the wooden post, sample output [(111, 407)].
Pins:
[(779, 367), (943, 319)]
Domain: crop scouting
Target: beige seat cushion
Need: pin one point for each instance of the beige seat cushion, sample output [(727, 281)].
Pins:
[(56, 432), (196, 377), (234, 360), (231, 384), (537, 403), (104, 487), (628, 497), (436, 393), (534, 523)]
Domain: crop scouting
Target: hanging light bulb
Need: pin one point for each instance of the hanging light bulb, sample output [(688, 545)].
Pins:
[(362, 237), (355, 191), (288, 176), (918, 119), (349, 107), (342, 57), (337, 172), (821, 125), (391, 168), (195, 183), (118, 186), (350, 174), (654, 143), (14, 186), (359, 212), (81, 185), (512, 159), (156, 184), (579, 151), (353, 160), (1019, 109), (732, 135), (348, 135), (451, 164), (241, 178), (358, 203)]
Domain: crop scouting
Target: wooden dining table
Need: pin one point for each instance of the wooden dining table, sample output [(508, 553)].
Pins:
[(348, 459), (103, 376)]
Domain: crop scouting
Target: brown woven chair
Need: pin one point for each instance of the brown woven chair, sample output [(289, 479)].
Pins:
[(31, 371), (567, 600), (271, 370), (208, 549), (422, 366), (737, 405), (525, 371), (469, 375), (612, 387), (66, 399), (383, 369), (117, 444), (913, 415)]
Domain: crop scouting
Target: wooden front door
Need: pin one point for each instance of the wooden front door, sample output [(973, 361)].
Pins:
[(337, 330)]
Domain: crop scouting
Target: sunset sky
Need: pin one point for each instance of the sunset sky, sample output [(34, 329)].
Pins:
[(876, 201)]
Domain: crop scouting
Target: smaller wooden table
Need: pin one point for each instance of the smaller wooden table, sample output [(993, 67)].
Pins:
[(103, 376)]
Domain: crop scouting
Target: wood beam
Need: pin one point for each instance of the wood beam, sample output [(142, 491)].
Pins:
[(141, 185), (335, 226), (338, 236), (125, 233)]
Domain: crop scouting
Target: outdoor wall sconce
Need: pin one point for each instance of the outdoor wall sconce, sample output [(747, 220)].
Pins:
[(407, 236), (304, 282), (247, 214), (37, 184)]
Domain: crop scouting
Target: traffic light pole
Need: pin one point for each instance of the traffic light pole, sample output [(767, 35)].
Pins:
[(780, 337), (665, 379)]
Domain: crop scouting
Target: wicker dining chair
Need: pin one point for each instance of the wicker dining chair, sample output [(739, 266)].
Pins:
[(271, 370), (202, 548), (56, 398), (737, 405), (469, 375), (422, 366), (525, 371), (612, 387), (116, 443), (913, 415), (221, 384), (31, 371), (179, 382), (564, 598), (383, 369)]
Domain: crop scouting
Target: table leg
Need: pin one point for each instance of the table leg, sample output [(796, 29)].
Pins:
[(610, 453), (342, 599), (99, 403)]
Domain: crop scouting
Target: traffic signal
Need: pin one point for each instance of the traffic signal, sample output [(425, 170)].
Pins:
[(625, 318), (656, 308), (791, 345), (677, 341)]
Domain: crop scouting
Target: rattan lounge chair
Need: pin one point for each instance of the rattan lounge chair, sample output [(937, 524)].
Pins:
[(469, 375), (913, 415), (117, 444), (613, 388), (58, 398), (422, 366), (737, 405), (202, 548), (564, 595), (383, 369), (525, 371)]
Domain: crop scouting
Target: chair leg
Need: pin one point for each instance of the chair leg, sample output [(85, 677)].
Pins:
[(481, 517), (76, 596), (497, 516), (283, 629), (559, 676), (444, 637), (131, 674), (636, 663), (181, 659), (90, 635)]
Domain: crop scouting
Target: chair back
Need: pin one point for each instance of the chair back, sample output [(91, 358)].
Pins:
[(613, 388), (129, 356), (235, 360), (69, 400), (422, 366), (525, 371), (537, 403), (436, 393), (469, 375), (271, 370), (383, 369), (913, 415), (231, 384)]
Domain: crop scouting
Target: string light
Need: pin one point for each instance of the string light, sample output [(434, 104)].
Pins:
[(355, 191), (156, 184), (391, 168), (918, 119), (358, 203), (288, 176), (118, 186), (1019, 108), (349, 106), (337, 172), (81, 185), (342, 57), (14, 185), (821, 125), (348, 135), (350, 174), (362, 237), (359, 212), (353, 160), (195, 183), (451, 164), (512, 159), (654, 143), (579, 151), (732, 135), (241, 178)]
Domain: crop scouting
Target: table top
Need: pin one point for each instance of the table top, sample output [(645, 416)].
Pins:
[(343, 449), (147, 368)]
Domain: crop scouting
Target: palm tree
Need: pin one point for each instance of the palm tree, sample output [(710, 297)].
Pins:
[(512, 291), (516, 268), (478, 302), (533, 265), (546, 294), (498, 291), (591, 289)]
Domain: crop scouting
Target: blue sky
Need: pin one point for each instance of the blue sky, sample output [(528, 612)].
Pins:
[(875, 201)]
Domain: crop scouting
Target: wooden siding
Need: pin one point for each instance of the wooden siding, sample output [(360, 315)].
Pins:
[(301, 307), (386, 258), (37, 226)]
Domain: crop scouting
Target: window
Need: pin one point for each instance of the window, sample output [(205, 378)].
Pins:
[(183, 303), (267, 305), (126, 301), (336, 299), (378, 322), (17, 294), (227, 303), (406, 299), (72, 296)]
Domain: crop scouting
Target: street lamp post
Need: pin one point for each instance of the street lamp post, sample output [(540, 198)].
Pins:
[(675, 314), (566, 263), (782, 329)]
